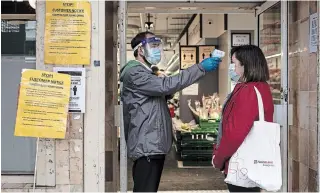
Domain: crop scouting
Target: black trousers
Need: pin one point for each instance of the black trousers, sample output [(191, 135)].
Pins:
[(233, 188), (147, 172)]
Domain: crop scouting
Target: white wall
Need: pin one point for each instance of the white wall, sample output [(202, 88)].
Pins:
[(224, 83), (212, 25), (183, 40), (194, 31), (236, 23), (242, 22)]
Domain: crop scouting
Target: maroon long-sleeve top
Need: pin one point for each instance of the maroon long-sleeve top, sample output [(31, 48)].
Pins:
[(238, 117)]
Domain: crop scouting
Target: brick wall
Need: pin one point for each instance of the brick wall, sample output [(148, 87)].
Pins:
[(303, 155)]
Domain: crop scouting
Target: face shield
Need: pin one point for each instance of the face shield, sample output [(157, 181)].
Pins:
[(152, 50)]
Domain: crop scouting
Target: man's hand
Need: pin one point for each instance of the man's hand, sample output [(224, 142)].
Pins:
[(210, 64)]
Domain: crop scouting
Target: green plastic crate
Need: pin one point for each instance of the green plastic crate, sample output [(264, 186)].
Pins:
[(205, 124)]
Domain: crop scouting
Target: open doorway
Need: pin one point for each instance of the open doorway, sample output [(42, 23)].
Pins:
[(194, 30)]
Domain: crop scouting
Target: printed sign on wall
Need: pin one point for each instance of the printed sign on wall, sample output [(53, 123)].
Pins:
[(42, 104), (205, 52), (67, 33), (78, 88), (188, 56), (313, 29), (240, 39)]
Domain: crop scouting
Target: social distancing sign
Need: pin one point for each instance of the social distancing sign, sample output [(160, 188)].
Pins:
[(42, 104), (77, 89), (188, 56), (67, 33)]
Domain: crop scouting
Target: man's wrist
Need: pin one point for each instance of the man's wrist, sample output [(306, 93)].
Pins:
[(201, 67)]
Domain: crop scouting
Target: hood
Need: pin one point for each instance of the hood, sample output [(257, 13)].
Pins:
[(124, 69)]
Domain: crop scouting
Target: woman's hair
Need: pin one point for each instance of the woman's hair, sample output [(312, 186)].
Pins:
[(254, 62)]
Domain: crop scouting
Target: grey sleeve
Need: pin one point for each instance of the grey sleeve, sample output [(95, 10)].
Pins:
[(148, 84)]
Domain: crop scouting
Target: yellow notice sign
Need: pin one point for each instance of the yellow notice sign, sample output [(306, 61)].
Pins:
[(67, 33), (43, 104)]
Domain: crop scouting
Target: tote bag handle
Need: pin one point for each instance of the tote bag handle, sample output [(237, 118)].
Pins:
[(260, 105)]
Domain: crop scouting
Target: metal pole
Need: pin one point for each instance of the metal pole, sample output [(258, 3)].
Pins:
[(284, 85), (318, 99), (256, 32), (122, 15)]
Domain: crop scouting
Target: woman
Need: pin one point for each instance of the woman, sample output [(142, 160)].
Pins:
[(241, 109)]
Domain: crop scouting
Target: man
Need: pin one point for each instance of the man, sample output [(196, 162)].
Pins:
[(147, 121)]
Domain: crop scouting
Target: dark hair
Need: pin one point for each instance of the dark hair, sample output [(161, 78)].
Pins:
[(154, 68), (254, 62), (137, 40)]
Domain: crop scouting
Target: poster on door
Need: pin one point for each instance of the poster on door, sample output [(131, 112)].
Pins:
[(42, 104), (67, 33), (77, 89), (205, 52), (188, 56)]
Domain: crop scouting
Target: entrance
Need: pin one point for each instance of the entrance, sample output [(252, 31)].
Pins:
[(269, 32)]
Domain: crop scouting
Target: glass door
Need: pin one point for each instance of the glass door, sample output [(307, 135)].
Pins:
[(270, 43), (272, 38)]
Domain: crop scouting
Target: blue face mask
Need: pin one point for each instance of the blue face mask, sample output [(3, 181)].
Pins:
[(154, 56), (232, 73)]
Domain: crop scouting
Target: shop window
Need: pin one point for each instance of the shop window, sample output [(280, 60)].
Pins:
[(18, 51), (16, 7)]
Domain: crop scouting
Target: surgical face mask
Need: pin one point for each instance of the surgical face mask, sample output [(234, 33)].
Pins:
[(232, 73), (154, 56)]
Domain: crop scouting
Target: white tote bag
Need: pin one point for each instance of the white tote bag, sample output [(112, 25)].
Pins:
[(257, 162)]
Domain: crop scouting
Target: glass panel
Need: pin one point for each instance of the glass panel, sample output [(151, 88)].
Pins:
[(18, 49), (18, 38), (270, 43)]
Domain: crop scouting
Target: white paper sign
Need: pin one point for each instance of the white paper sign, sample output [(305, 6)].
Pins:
[(191, 90), (240, 39), (313, 33), (78, 88)]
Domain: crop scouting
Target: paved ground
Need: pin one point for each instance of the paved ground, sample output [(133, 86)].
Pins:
[(178, 179)]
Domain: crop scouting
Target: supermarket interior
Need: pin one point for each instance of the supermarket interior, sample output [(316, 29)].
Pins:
[(190, 34), (195, 111)]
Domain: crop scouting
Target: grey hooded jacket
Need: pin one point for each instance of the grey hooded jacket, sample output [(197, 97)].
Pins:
[(147, 121)]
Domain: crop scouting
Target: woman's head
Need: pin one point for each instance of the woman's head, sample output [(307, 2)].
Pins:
[(250, 63)]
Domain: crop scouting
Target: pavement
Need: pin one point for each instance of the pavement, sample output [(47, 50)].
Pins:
[(176, 179)]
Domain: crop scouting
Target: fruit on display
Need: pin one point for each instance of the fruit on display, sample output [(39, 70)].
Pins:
[(210, 110)]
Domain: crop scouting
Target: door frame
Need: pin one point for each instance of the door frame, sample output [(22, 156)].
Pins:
[(122, 23), (18, 17), (284, 107)]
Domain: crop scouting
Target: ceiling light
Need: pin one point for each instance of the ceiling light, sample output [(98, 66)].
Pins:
[(148, 25), (189, 8), (150, 8)]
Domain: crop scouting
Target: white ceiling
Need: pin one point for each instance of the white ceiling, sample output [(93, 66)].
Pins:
[(166, 26), (171, 17)]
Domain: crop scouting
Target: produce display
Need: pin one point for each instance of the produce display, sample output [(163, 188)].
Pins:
[(194, 141)]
